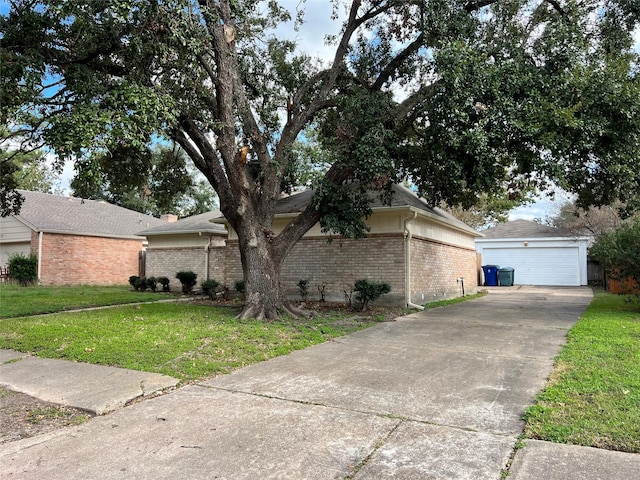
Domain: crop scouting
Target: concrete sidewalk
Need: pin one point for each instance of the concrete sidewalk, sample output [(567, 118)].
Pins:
[(93, 388), (435, 395)]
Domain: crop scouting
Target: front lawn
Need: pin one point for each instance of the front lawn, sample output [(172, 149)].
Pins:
[(186, 341), (593, 396), (17, 301)]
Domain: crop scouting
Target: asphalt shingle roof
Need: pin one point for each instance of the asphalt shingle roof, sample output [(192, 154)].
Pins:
[(402, 197), (296, 203), (523, 229), (72, 215), (196, 223)]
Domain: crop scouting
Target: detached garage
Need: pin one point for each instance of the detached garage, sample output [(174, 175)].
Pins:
[(540, 255)]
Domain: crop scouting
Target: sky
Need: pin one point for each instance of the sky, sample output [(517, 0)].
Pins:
[(310, 38)]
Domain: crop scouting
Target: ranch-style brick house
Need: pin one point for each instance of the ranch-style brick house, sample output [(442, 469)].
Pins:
[(422, 252), (77, 242)]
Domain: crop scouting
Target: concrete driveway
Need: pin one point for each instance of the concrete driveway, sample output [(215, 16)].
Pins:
[(434, 395)]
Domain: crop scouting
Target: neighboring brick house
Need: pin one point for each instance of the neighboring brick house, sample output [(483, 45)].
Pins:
[(422, 252), (193, 243), (82, 242)]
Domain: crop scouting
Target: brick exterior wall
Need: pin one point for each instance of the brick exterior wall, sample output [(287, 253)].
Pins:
[(435, 268), (339, 264), (166, 262), (84, 260)]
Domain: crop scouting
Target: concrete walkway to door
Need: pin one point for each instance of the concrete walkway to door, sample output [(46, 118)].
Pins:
[(434, 395)]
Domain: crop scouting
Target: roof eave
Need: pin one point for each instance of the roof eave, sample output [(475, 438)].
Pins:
[(399, 209), (91, 234), (181, 232), (533, 239), (26, 222)]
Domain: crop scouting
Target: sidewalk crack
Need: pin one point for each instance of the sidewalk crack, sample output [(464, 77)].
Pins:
[(376, 447)]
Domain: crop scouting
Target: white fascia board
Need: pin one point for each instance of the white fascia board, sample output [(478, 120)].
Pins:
[(438, 219), (26, 223), (183, 232), (533, 239)]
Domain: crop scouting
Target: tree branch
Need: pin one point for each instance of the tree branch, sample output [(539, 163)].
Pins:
[(397, 61), (406, 112), (204, 156), (475, 5)]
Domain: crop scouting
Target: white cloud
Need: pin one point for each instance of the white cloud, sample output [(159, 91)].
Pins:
[(542, 208)]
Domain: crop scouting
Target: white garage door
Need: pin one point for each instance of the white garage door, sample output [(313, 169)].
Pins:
[(538, 265)]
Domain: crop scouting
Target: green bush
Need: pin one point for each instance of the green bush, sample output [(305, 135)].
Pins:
[(209, 287), (23, 269), (187, 279), (141, 284), (152, 283), (164, 281), (367, 292), (619, 251), (303, 287), (132, 281), (239, 286)]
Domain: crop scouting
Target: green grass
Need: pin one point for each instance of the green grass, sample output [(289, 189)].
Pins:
[(18, 301), (452, 301), (44, 414), (593, 397), (186, 341)]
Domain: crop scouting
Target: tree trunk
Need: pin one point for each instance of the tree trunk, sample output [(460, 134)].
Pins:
[(264, 296)]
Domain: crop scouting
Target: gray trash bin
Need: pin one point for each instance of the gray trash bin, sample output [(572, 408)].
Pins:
[(505, 276)]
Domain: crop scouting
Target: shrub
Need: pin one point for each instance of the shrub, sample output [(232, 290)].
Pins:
[(303, 287), (209, 287), (239, 286), (619, 251), (367, 291), (132, 281), (152, 283), (23, 269), (321, 289), (164, 281), (140, 284), (187, 279)]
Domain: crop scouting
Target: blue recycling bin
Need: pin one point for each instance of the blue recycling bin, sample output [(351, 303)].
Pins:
[(491, 275)]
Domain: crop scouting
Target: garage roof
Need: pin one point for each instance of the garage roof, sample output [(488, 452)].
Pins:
[(523, 229)]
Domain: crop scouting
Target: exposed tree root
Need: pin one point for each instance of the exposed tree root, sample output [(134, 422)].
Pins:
[(260, 311)]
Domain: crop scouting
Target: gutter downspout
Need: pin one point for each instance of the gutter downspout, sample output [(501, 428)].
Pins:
[(206, 257), (407, 280), (39, 256)]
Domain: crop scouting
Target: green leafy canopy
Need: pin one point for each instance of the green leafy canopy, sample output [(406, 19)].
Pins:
[(461, 97)]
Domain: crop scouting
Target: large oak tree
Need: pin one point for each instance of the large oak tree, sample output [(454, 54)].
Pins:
[(458, 96)]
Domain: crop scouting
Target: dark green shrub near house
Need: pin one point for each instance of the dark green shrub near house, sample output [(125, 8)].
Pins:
[(303, 287), (187, 279), (367, 292), (152, 283), (132, 281), (141, 284), (24, 270), (239, 286), (164, 281), (619, 251), (210, 288)]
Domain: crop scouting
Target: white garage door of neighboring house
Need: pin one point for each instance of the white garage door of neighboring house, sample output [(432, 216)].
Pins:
[(538, 265)]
